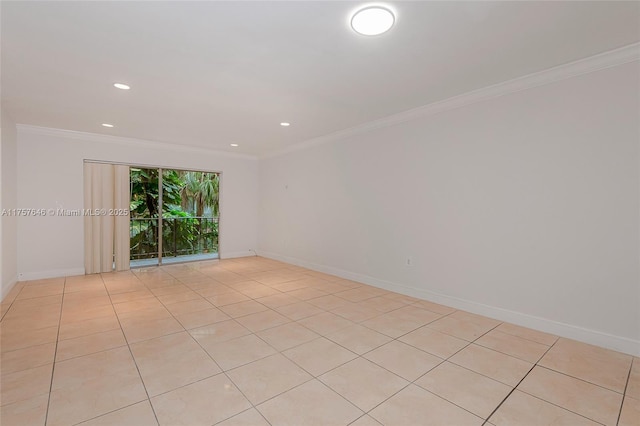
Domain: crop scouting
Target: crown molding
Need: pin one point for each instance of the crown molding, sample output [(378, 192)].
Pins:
[(611, 58), (123, 141)]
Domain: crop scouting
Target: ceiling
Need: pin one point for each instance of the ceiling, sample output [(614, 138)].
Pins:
[(209, 74)]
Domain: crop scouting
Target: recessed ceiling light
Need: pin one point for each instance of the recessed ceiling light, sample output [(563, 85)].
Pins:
[(107, 125), (372, 20), (121, 86), (284, 124), (234, 144)]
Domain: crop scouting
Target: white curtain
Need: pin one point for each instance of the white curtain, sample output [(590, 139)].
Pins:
[(106, 229)]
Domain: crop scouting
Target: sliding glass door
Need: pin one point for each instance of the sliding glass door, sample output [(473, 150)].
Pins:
[(184, 205)]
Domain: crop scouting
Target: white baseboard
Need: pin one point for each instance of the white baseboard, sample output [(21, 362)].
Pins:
[(594, 337), (234, 254), (6, 288), (53, 273)]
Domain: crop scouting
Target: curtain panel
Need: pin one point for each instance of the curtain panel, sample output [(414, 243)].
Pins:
[(106, 233)]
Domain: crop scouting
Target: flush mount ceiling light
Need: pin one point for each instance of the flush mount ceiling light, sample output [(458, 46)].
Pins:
[(285, 124), (372, 20), (121, 86), (107, 125), (234, 144)]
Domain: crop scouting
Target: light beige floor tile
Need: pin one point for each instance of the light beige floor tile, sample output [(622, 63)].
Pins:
[(496, 365), (382, 304), (139, 414), (588, 400), (366, 420), (182, 297), (189, 306), (259, 291), (155, 313), (25, 326), (201, 318), (123, 287), (291, 285), (403, 360), (465, 388), (144, 330), (597, 365), (434, 307), (306, 293), (170, 288), (287, 336), (513, 345), (31, 412), (79, 302), (86, 313), (407, 300), (25, 384), (40, 290), (363, 383), (359, 339), (24, 359), (89, 344), (83, 328), (325, 323), (357, 294), (298, 311), (250, 417), (527, 333), (523, 409), (214, 290), (464, 325), (392, 326), (137, 305), (38, 301), (92, 385), (229, 298), (416, 313), (356, 312), (416, 406), (239, 351), (202, 403), (319, 356), (268, 377), (310, 404), (85, 293), (633, 385), (129, 297), (277, 300), (434, 342), (328, 302), (221, 331), (169, 362), (243, 308), (263, 320), (630, 412)]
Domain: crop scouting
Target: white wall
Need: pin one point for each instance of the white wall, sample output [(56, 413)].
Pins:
[(50, 175), (523, 207), (8, 200)]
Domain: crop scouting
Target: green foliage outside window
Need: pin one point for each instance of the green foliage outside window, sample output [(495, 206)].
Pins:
[(190, 209)]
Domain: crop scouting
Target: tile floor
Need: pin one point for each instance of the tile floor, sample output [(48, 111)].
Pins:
[(257, 342)]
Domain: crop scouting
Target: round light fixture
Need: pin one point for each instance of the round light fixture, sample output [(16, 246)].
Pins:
[(121, 86), (372, 20), (234, 144), (107, 125), (284, 124)]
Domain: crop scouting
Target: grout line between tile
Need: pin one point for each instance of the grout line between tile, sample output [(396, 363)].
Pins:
[(55, 354), (624, 393), (131, 354)]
